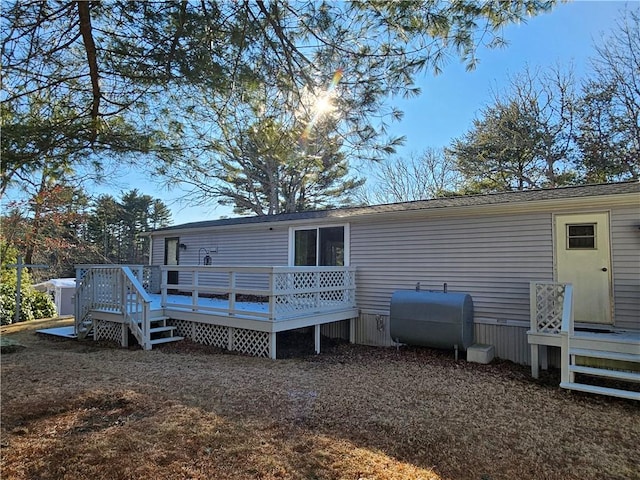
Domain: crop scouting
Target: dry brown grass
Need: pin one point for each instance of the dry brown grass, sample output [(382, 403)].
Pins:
[(78, 410)]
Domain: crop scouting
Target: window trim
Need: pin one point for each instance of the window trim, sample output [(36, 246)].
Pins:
[(316, 227)]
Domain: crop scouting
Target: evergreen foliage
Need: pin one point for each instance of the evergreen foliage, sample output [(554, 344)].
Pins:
[(33, 304), (89, 83)]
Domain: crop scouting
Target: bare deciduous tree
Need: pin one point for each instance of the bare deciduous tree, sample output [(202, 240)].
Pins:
[(429, 175), (609, 133)]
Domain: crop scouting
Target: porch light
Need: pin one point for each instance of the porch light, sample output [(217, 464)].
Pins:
[(183, 246)]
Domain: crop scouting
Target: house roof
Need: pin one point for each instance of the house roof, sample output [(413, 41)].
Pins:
[(436, 203)]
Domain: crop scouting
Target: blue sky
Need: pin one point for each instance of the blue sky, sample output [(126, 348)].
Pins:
[(451, 100)]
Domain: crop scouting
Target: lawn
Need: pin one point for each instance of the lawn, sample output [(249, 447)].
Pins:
[(81, 410)]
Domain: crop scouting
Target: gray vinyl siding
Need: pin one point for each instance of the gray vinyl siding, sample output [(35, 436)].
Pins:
[(509, 342), (372, 329), (248, 247), (493, 258), (625, 240), (251, 247), (157, 251)]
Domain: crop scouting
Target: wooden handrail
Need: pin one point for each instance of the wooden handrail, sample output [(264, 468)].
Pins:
[(567, 309), (136, 307)]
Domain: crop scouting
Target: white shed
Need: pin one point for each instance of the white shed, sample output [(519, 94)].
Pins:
[(62, 291)]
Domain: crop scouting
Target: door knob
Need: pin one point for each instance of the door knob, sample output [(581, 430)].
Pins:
[(604, 269)]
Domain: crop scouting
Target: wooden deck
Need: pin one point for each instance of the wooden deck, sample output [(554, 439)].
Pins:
[(239, 308)]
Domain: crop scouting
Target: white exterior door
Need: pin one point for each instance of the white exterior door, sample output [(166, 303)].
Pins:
[(583, 258)]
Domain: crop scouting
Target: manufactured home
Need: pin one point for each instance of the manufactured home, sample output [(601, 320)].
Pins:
[(529, 260)]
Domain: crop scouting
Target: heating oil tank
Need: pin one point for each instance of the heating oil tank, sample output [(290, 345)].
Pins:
[(432, 319)]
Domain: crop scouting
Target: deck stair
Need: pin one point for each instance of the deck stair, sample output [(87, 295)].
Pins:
[(613, 354), (85, 327), (609, 355), (111, 303), (161, 332)]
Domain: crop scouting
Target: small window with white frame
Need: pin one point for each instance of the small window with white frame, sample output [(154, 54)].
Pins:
[(581, 236)]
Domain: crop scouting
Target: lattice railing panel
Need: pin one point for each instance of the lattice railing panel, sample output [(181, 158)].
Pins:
[(108, 331), (313, 291), (332, 279), (549, 299), (320, 279), (332, 297), (295, 302), (216, 335), (295, 281), (251, 342)]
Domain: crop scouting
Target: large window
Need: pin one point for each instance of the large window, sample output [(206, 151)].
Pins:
[(324, 246)]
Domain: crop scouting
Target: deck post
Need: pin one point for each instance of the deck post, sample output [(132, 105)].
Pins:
[(565, 360), (230, 330), (195, 294), (125, 335), (316, 337), (535, 362), (272, 345), (232, 292), (352, 330), (163, 287)]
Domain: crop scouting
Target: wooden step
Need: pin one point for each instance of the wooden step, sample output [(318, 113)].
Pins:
[(613, 392), (606, 373), (156, 341), (161, 329), (624, 357), (611, 342)]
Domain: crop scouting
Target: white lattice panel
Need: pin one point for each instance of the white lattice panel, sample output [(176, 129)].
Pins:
[(108, 331), (251, 342), (295, 302), (332, 297), (549, 300), (216, 335), (184, 328), (332, 279), (295, 281)]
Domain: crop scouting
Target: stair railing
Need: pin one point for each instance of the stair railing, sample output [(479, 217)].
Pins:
[(136, 307), (115, 289), (566, 333)]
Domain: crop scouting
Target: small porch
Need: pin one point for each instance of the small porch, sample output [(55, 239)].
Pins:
[(585, 351), (239, 308)]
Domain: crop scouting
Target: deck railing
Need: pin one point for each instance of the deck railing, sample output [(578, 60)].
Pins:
[(147, 275), (287, 291), (551, 322), (566, 332)]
